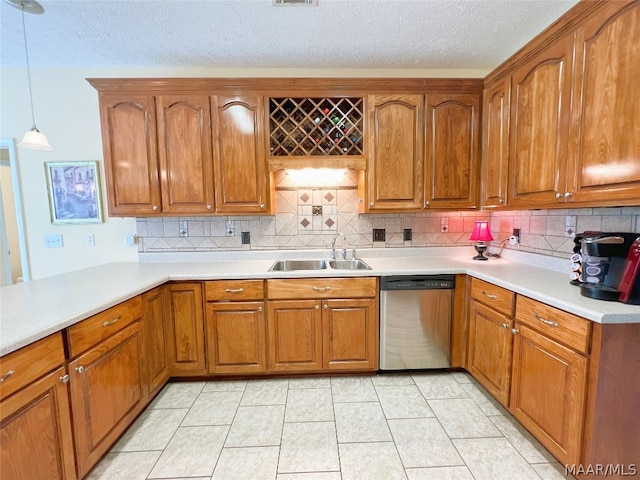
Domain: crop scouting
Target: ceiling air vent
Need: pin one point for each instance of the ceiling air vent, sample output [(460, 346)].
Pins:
[(295, 3)]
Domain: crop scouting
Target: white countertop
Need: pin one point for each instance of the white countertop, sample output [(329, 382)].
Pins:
[(31, 311)]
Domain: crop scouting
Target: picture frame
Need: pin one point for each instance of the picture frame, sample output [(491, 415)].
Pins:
[(74, 192)]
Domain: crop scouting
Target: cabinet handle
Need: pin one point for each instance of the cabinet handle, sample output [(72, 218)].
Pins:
[(317, 307), (505, 325), (7, 375), (427, 203), (234, 290), (568, 194), (490, 295), (155, 208), (262, 205), (545, 321), (209, 207), (558, 195), (108, 323), (80, 369), (64, 378), (321, 289), (515, 331), (259, 309), (325, 306)]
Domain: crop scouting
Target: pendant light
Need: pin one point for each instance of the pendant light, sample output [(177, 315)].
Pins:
[(33, 139)]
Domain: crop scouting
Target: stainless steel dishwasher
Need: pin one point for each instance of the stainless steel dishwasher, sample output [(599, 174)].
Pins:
[(415, 321)]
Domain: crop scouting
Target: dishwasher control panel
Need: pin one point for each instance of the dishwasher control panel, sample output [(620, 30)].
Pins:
[(418, 282)]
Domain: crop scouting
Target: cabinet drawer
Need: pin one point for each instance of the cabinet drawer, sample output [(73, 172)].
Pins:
[(313, 288), (565, 328), (234, 290), (94, 329), (498, 298), (19, 368)]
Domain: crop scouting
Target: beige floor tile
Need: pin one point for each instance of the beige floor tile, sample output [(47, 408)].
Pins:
[(551, 471), (437, 385), (259, 426), (462, 418), (256, 463), (494, 459), (361, 422), (152, 430), (177, 395), (422, 442), (310, 476), (309, 382), (368, 461), (489, 405), (213, 408), (265, 392), (224, 385), (353, 389), (439, 473), (309, 447), (124, 466), (522, 440), (391, 379), (461, 377), (192, 452), (309, 405), (403, 401)]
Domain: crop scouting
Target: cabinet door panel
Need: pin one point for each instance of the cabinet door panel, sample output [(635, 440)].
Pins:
[(548, 392), (452, 150), (490, 346), (395, 152), (295, 335), (130, 154), (186, 164), (236, 340), (240, 160), (495, 155), (606, 117), (539, 126), (155, 339), (350, 334), (35, 432), (107, 393), (186, 329)]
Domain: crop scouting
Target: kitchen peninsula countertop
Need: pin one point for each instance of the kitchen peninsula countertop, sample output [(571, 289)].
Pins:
[(31, 311)]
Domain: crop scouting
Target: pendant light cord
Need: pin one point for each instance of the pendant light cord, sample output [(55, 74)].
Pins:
[(26, 51)]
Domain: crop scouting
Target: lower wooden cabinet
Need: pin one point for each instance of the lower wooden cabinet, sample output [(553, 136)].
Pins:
[(155, 340), (185, 323), (548, 392), (107, 393)]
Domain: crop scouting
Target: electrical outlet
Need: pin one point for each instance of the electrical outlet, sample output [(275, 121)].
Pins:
[(184, 228), (379, 234), (231, 229), (516, 233), (407, 235), (131, 240), (91, 240), (246, 238), (53, 241)]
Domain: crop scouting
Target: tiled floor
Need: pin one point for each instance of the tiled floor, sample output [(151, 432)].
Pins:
[(422, 426)]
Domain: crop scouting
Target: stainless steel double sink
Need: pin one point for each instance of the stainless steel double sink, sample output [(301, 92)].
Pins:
[(292, 265)]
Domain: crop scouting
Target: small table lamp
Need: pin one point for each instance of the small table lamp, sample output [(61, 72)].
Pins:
[(481, 233)]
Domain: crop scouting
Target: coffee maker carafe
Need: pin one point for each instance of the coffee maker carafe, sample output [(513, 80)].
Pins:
[(604, 257)]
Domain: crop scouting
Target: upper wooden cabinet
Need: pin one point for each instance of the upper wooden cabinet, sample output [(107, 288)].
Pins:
[(495, 148), (452, 151), (605, 164), (395, 166), (129, 141), (239, 155), (541, 99), (184, 153)]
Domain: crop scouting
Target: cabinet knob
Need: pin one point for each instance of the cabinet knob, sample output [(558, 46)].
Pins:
[(64, 378), (500, 201), (317, 307), (259, 309), (505, 325), (558, 195), (515, 331), (155, 208), (80, 369), (7, 375), (568, 194), (427, 203), (262, 205), (325, 306), (209, 207), (371, 204)]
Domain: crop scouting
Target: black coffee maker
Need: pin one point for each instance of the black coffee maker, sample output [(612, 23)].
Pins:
[(602, 260)]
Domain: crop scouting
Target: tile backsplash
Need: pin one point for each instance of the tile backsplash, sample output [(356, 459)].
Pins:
[(309, 216)]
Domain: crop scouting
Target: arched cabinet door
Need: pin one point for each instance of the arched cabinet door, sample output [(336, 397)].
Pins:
[(396, 139), (130, 154)]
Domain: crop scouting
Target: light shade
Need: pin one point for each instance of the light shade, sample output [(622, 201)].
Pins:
[(481, 232), (35, 140)]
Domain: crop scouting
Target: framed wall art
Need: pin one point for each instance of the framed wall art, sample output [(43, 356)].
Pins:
[(74, 192)]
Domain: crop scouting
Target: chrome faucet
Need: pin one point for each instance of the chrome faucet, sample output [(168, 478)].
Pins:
[(333, 246)]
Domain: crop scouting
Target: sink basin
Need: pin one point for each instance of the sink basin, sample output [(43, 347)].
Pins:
[(356, 264), (289, 265)]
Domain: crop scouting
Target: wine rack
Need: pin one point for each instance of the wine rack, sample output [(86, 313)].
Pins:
[(315, 126)]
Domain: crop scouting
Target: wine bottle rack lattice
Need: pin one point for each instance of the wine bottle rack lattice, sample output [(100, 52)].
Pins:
[(315, 126)]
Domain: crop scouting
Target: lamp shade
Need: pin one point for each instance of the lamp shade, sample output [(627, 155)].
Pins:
[(481, 232), (35, 140)]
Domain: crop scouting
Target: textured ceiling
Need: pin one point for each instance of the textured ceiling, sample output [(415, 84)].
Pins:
[(424, 34)]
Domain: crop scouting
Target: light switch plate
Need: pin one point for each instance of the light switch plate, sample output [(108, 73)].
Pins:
[(53, 240)]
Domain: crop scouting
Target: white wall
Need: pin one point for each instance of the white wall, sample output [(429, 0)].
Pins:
[(66, 109)]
